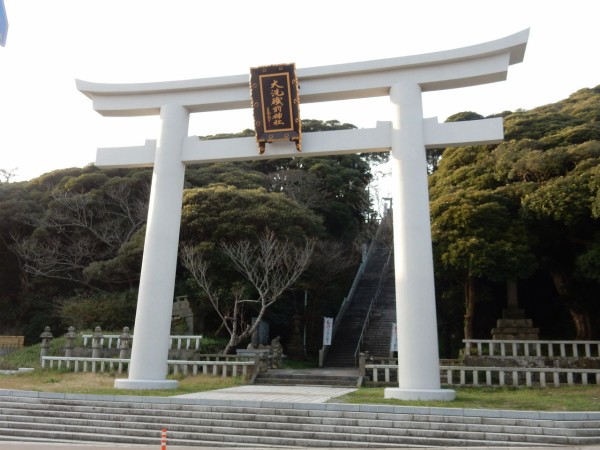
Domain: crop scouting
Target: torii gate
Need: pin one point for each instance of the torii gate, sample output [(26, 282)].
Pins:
[(407, 136)]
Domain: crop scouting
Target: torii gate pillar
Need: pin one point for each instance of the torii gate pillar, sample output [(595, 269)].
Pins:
[(418, 360), (159, 263), (403, 79)]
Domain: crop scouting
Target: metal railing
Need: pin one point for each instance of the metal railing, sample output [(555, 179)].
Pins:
[(345, 304), (371, 305)]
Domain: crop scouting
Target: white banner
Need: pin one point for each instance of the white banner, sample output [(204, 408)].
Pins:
[(394, 339), (327, 330)]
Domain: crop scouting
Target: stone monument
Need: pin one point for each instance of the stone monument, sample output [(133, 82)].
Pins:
[(514, 325), (183, 312)]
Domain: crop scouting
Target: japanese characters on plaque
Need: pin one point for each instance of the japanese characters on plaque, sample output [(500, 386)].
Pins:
[(276, 104)]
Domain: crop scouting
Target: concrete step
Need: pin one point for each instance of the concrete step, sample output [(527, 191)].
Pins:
[(265, 433), (339, 362), (138, 420), (307, 379), (245, 419)]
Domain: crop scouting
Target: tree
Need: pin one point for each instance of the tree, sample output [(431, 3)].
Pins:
[(7, 175), (562, 208), (544, 181), (89, 219), (335, 187), (475, 236), (269, 268), (239, 174), (221, 213)]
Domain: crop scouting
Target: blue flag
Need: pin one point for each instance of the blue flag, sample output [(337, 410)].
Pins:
[(3, 24)]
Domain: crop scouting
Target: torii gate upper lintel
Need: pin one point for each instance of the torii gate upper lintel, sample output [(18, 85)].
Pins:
[(406, 136)]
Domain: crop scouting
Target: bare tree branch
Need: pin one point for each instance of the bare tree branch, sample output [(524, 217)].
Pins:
[(7, 174), (197, 266), (79, 229), (302, 186), (270, 266)]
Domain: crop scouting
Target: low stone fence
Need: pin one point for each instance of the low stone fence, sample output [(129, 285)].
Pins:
[(561, 349), (518, 376), (80, 364), (177, 342), (111, 353), (216, 365), (379, 371), (100, 345)]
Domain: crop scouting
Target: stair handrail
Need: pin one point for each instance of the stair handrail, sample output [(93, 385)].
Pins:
[(347, 300), (373, 303), (357, 277)]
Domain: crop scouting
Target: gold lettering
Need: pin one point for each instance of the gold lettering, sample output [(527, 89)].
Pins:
[(275, 101)]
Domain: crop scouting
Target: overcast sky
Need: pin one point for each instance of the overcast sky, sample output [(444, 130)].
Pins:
[(47, 124)]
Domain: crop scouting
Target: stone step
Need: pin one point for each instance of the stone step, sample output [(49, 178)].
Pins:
[(340, 364), (112, 409), (310, 423), (49, 436), (263, 422), (303, 380), (310, 382), (341, 353), (268, 433), (139, 420)]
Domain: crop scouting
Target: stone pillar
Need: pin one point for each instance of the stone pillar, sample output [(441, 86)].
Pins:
[(277, 350), (97, 338), (260, 336), (362, 362), (45, 346), (295, 347), (70, 342), (148, 368), (418, 355), (124, 341)]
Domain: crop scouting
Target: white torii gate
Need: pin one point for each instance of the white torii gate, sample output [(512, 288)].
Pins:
[(407, 136)]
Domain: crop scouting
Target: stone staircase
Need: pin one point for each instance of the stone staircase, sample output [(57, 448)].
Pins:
[(379, 332), (344, 344), (74, 418), (309, 377)]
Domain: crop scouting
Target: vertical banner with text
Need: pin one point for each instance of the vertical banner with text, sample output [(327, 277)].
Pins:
[(394, 339), (327, 330)]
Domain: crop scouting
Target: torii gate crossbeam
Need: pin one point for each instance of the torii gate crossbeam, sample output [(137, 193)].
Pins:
[(407, 136)]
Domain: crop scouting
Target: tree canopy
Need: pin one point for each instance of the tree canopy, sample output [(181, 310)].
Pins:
[(527, 209), (73, 238)]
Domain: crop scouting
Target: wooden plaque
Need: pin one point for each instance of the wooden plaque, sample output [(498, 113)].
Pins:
[(275, 103)]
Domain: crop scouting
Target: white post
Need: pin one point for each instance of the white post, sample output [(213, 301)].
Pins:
[(418, 357), (148, 368)]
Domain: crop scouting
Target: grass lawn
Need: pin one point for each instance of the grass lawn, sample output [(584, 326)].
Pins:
[(102, 383), (566, 398)]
